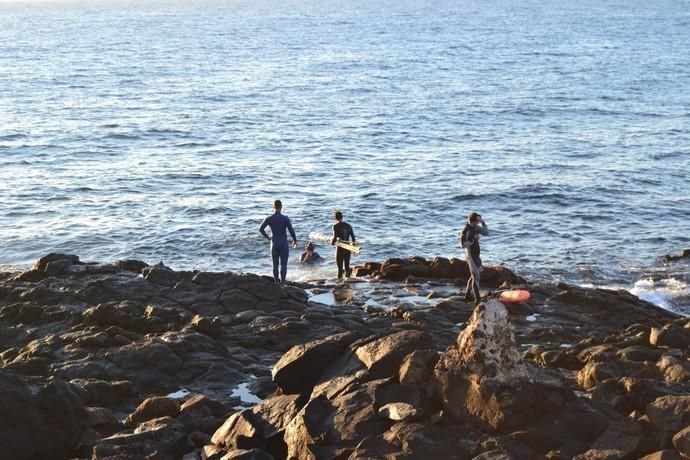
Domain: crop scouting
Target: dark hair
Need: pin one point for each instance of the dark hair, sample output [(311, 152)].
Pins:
[(338, 215), (473, 217), (277, 204)]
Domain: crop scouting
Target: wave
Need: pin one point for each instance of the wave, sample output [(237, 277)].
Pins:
[(661, 292)]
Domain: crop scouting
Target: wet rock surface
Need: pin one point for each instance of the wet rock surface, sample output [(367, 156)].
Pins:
[(127, 360)]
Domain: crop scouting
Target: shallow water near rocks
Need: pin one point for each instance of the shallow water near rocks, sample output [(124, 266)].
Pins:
[(247, 398)]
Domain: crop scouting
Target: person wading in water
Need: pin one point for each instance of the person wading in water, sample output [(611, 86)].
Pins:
[(280, 250), (342, 231), (469, 240)]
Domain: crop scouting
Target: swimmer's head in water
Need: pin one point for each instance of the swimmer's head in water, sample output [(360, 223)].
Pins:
[(310, 246)]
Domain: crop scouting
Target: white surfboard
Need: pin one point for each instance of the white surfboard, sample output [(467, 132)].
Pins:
[(349, 245)]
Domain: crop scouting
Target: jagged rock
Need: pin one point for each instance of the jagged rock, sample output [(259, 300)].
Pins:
[(682, 255), (670, 413), (612, 392), (639, 353), (167, 440), (483, 380), (681, 442), (131, 265), (398, 411), (383, 356), (212, 328), (31, 276), (642, 392), (260, 427), (673, 369), (670, 335), (102, 418), (100, 392), (202, 414), (47, 423), (594, 372), (55, 258), (162, 275), (29, 366), (152, 408), (328, 429), (417, 367), (300, 368)]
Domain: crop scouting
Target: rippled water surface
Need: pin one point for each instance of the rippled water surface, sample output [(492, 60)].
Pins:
[(163, 131)]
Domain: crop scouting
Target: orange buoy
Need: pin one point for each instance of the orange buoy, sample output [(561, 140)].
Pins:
[(514, 295)]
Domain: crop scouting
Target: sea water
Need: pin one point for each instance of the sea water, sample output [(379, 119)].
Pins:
[(163, 131)]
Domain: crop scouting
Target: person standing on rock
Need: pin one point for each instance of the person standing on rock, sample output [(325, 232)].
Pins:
[(342, 231), (280, 250), (469, 240)]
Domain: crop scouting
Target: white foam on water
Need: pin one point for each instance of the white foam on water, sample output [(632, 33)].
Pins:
[(660, 292), (532, 317), (180, 394)]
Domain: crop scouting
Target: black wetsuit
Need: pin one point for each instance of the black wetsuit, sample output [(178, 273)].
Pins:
[(342, 231), (469, 240)]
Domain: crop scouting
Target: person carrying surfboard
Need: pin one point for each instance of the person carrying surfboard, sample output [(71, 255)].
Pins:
[(342, 231), (469, 240), (280, 250)]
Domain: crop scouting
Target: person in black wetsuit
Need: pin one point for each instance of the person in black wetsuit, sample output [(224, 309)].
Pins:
[(469, 240), (310, 256), (342, 231), (280, 225)]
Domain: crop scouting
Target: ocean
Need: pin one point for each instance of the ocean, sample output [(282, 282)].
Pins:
[(163, 131)]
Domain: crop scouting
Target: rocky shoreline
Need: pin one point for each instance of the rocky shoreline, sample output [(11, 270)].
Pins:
[(128, 361)]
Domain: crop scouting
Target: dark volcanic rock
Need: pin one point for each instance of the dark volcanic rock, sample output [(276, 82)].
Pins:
[(439, 268), (670, 335), (670, 413), (160, 274), (357, 384), (329, 429), (685, 253), (383, 356), (166, 439), (261, 427), (46, 424), (151, 360), (300, 368), (152, 408), (417, 367), (682, 442)]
